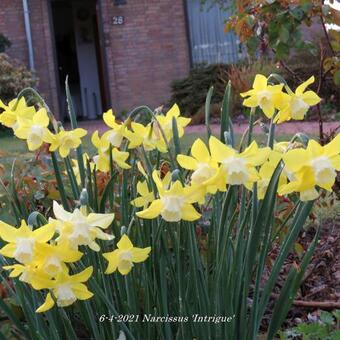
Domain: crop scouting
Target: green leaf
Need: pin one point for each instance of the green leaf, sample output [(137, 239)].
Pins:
[(314, 329), (11, 315), (207, 110), (284, 34), (326, 318), (252, 45), (336, 77), (336, 313), (176, 140), (226, 124), (282, 50), (297, 13), (73, 120), (289, 290)]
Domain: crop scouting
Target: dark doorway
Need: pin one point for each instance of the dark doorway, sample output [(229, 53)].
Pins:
[(78, 56)]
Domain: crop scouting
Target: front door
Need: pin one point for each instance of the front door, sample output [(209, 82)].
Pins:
[(76, 50), (84, 12)]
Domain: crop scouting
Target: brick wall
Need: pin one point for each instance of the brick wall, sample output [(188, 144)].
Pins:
[(143, 55), (12, 25)]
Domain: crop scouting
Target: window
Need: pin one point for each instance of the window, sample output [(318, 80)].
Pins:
[(209, 43)]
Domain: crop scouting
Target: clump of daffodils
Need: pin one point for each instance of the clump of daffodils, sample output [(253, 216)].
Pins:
[(43, 255), (49, 258), (280, 105)]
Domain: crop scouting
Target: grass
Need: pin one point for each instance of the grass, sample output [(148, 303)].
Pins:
[(12, 148)]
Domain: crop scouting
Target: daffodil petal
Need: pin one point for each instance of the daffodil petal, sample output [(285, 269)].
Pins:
[(187, 162), (112, 258), (48, 304), (140, 254), (124, 243), (152, 211)]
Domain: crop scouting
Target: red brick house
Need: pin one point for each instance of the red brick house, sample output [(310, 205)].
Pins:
[(119, 53)]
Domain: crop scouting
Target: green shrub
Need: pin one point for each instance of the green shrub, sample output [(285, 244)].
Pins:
[(327, 328), (13, 78), (190, 92), (4, 43)]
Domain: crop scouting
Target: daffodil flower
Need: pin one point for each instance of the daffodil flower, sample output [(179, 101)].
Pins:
[(66, 140), (202, 165), (22, 241), (28, 273), (141, 169), (175, 202), (118, 131), (236, 168), (65, 288), (50, 257), (265, 96), (266, 172), (35, 130), (314, 166), (298, 103), (165, 122), (102, 160), (125, 256), (146, 196), (145, 135), (79, 229), (9, 117)]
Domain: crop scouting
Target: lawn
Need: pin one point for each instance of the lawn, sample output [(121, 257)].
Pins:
[(12, 148)]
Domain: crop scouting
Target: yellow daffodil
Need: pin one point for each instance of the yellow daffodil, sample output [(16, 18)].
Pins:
[(78, 229), (265, 96), (141, 169), (165, 121), (302, 182), (50, 257), (146, 196), (203, 166), (266, 172), (314, 166), (66, 289), (236, 168), (175, 202), (102, 160), (66, 140), (101, 144), (145, 135), (125, 256), (9, 116), (298, 103), (22, 241), (118, 131), (35, 130), (28, 273)]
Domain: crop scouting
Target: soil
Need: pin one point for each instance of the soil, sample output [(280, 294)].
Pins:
[(321, 282)]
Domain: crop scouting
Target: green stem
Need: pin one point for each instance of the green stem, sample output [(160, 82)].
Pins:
[(60, 182)]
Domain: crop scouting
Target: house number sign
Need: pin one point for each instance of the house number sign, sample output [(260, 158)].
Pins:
[(118, 20)]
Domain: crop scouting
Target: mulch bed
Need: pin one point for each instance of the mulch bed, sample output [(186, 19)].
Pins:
[(320, 289)]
